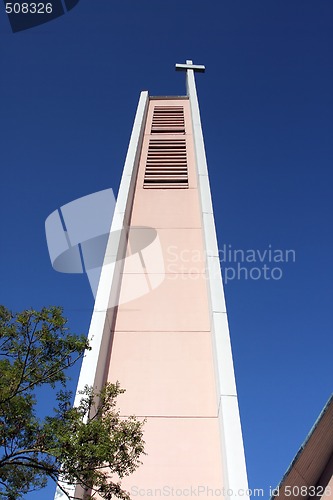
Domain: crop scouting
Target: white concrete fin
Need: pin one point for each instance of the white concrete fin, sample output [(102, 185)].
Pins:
[(234, 458), (210, 235), (235, 476), (206, 198), (108, 282), (215, 284), (91, 373), (224, 363)]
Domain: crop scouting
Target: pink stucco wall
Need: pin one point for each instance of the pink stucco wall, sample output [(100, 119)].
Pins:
[(162, 348)]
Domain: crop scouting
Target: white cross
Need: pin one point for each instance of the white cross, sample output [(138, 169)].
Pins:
[(189, 65)]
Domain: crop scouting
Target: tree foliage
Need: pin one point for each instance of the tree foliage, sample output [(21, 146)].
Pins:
[(89, 445)]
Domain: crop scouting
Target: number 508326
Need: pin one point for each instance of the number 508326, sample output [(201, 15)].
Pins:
[(28, 8)]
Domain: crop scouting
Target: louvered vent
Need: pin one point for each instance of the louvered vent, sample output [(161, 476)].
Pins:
[(166, 165), (168, 120)]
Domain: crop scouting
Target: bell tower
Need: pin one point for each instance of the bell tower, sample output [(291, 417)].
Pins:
[(159, 324)]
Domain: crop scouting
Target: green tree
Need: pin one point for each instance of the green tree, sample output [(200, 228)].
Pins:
[(89, 445)]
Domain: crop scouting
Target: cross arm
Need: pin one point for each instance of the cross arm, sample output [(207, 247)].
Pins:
[(196, 67)]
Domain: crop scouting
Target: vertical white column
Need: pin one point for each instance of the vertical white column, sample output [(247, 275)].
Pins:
[(93, 365), (235, 476)]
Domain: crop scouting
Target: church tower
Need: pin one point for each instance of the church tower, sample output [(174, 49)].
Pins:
[(159, 324)]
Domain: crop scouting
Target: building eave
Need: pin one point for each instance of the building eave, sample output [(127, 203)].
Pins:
[(313, 456)]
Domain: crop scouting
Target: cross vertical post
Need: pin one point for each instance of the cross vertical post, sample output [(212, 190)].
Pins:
[(200, 153), (190, 68)]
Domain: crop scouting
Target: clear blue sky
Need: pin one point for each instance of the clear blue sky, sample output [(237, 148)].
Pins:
[(69, 91)]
